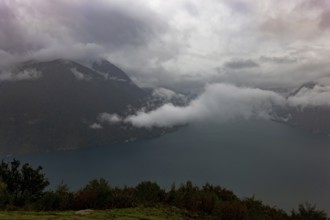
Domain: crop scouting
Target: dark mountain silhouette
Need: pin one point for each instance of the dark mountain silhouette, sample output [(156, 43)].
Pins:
[(54, 108)]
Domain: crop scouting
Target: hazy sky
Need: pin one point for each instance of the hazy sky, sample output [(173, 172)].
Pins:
[(229, 52), (179, 44)]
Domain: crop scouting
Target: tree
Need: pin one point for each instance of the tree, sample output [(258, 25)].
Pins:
[(308, 211), (4, 197), (96, 194), (60, 199), (149, 193), (23, 184), (188, 196)]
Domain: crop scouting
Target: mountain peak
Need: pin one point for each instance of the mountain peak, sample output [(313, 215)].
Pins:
[(110, 70)]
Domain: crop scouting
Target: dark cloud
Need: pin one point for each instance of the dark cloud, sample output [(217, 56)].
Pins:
[(176, 44), (308, 4), (325, 19), (240, 64), (279, 60), (12, 36), (44, 28), (323, 9), (238, 6), (304, 20), (116, 27)]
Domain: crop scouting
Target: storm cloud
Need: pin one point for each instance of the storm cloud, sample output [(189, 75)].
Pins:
[(73, 29), (240, 64), (179, 45)]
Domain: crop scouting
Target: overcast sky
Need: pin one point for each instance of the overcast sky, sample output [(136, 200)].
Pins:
[(223, 49), (177, 44)]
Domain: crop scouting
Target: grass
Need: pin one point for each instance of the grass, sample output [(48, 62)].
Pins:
[(141, 213)]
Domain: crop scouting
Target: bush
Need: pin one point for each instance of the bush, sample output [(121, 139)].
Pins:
[(187, 196), (307, 211), (97, 194), (232, 211), (221, 193), (207, 202), (149, 193), (60, 199), (124, 198)]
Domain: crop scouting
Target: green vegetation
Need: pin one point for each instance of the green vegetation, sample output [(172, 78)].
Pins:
[(22, 189), (20, 186), (155, 213)]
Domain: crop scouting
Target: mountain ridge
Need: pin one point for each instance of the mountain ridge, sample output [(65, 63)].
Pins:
[(309, 117), (56, 108)]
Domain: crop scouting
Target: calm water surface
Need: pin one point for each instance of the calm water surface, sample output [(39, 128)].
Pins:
[(278, 164)]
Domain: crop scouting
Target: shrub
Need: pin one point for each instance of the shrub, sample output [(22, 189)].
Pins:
[(149, 193), (231, 211), (124, 198), (96, 194), (308, 211)]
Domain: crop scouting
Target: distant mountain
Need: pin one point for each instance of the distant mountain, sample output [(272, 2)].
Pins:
[(109, 70), (54, 105), (313, 118)]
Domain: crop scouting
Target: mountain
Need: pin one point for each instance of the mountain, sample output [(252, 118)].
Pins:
[(314, 118), (55, 105)]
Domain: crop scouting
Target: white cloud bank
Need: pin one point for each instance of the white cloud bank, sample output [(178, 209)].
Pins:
[(27, 74), (163, 93), (219, 102), (223, 102)]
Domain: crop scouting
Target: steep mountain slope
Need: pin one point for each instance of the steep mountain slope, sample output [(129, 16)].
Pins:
[(52, 105)]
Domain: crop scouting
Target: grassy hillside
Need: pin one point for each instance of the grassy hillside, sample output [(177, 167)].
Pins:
[(140, 213), (22, 188)]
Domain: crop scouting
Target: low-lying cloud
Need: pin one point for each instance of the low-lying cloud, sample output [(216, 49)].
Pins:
[(27, 74), (240, 64), (79, 75), (318, 95), (167, 95), (223, 102), (109, 118), (219, 102)]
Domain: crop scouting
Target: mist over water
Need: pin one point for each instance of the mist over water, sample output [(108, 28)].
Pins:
[(279, 164)]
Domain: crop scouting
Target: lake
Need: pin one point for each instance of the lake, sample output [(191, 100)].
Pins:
[(279, 164)]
